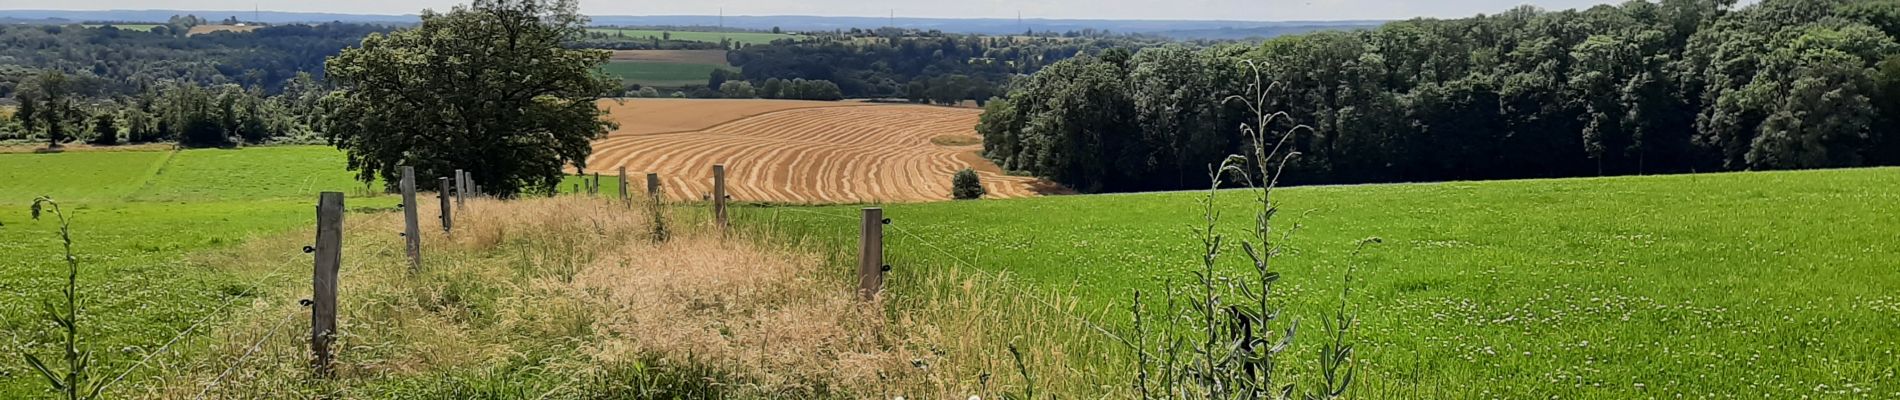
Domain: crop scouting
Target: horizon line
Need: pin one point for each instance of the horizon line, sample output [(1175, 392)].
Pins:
[(2, 10)]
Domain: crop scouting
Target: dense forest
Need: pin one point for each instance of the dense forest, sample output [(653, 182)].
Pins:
[(909, 64), (56, 106), (108, 61), (1640, 88)]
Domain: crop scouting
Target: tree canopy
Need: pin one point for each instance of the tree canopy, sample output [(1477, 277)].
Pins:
[(1637, 88), (486, 88)]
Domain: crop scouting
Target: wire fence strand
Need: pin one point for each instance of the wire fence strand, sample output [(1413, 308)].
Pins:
[(249, 351), (998, 277), (216, 312)]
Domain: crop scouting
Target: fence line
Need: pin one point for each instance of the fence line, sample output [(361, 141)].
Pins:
[(219, 311), (249, 351), (998, 277)]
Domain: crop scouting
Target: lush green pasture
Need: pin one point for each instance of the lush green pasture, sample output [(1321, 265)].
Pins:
[(264, 172), (135, 218), (1776, 285), (709, 37), (93, 177), (662, 74)]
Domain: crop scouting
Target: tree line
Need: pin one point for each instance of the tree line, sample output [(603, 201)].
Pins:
[(919, 65), (1637, 88), (55, 109), (112, 61)]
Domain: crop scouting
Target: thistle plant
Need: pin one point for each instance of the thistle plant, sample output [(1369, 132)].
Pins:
[(76, 381)]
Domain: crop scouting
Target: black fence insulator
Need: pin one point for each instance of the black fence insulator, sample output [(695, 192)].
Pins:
[(887, 221), (309, 249), (887, 268)]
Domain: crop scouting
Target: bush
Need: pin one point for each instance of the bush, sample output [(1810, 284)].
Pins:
[(105, 130), (966, 186)]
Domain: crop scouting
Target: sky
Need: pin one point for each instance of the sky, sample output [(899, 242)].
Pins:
[(1250, 10)]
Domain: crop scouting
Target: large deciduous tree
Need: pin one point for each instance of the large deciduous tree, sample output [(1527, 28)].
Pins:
[(487, 88), (48, 102)]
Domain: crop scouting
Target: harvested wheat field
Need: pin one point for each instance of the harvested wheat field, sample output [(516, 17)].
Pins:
[(801, 152)]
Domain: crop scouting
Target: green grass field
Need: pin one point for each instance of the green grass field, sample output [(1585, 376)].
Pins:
[(662, 74), (1777, 285), (136, 218), (710, 37)]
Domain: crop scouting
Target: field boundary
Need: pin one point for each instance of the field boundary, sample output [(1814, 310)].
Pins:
[(152, 174), (742, 118)]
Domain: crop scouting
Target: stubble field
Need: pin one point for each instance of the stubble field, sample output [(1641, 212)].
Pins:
[(800, 152)]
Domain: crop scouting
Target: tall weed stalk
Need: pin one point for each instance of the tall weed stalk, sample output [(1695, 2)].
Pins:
[(1227, 342), (76, 382)]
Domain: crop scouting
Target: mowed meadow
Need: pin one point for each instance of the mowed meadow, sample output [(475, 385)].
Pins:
[(1735, 285)]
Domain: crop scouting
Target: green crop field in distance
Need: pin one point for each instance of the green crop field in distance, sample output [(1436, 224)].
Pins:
[(129, 27), (1779, 284), (710, 37), (662, 74)]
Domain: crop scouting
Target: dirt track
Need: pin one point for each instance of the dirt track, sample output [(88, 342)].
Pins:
[(798, 152)]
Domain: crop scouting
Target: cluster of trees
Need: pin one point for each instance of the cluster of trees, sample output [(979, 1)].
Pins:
[(774, 88), (489, 88), (898, 63), (56, 110), (1669, 86), (125, 62), (621, 41)]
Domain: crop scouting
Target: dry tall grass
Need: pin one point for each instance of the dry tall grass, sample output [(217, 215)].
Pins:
[(568, 298)]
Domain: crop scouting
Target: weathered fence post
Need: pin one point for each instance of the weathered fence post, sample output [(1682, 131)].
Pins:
[(719, 195), (596, 185), (411, 229), (461, 188), (329, 256), (871, 253), (625, 201), (653, 186), (447, 217)]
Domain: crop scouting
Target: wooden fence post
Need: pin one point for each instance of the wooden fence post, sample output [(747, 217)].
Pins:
[(653, 186), (719, 195), (871, 253), (411, 229), (625, 200), (329, 256), (447, 217), (461, 188), (596, 186)]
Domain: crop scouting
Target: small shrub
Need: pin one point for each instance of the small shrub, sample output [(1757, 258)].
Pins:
[(966, 186)]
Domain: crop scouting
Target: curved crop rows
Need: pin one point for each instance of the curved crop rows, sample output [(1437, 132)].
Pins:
[(814, 155)]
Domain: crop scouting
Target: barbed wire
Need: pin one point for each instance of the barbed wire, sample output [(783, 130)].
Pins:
[(219, 311), (249, 351)]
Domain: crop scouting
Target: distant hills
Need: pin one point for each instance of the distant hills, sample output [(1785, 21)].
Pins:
[(1186, 30)]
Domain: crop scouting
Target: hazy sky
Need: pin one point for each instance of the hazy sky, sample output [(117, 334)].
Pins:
[(1273, 10)]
